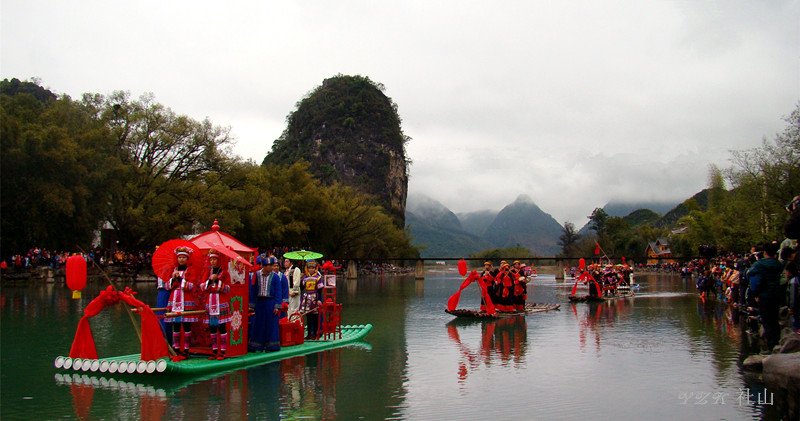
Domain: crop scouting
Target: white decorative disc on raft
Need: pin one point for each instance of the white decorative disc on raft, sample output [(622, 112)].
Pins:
[(95, 365), (68, 363), (113, 366), (141, 366), (161, 365), (122, 367), (151, 367), (59, 362), (131, 367), (87, 364), (76, 363), (104, 366)]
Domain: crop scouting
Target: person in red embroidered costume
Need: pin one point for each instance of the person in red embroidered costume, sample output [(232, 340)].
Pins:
[(216, 282), (181, 299)]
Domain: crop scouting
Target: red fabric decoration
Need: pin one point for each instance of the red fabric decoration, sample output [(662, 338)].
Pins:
[(462, 267), (76, 272), (83, 344), (154, 346), (489, 304), (582, 264), (597, 248), (329, 267), (452, 302)]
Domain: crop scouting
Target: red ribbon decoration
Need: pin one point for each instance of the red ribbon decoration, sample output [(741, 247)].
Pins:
[(154, 346), (452, 302)]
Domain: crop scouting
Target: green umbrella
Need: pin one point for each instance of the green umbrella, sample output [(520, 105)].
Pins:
[(301, 255)]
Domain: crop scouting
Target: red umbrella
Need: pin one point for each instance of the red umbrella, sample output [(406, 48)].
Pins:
[(221, 248), (165, 260)]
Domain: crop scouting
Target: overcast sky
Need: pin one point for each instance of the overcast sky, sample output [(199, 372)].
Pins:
[(574, 103)]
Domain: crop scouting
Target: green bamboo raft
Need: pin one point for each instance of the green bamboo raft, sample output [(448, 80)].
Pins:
[(131, 364)]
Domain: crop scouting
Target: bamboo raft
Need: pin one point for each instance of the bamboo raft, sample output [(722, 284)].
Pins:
[(621, 293), (529, 309), (132, 364)]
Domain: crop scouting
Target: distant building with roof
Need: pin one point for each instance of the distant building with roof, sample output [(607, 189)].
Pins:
[(658, 252)]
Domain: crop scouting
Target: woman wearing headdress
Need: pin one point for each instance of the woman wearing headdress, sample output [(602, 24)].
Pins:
[(311, 299), (504, 284), (216, 282), (181, 299), (488, 275)]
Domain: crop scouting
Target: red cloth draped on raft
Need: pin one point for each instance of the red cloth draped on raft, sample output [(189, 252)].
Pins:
[(452, 303), (154, 346)]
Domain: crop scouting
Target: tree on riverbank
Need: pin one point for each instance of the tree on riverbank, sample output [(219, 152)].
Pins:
[(56, 169), (153, 174)]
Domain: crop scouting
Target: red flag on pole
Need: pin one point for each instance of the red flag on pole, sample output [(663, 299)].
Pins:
[(596, 248)]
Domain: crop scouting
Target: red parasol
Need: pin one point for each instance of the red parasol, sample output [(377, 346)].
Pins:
[(221, 248), (165, 260)]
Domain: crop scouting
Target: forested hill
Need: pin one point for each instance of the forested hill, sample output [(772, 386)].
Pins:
[(349, 131)]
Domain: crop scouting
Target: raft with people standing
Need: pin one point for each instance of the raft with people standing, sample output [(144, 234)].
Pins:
[(503, 292), (605, 282), (234, 315)]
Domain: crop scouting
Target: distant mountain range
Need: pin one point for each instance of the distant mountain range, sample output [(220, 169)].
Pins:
[(441, 233)]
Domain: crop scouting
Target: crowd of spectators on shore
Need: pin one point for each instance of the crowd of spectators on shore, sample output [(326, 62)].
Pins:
[(124, 261)]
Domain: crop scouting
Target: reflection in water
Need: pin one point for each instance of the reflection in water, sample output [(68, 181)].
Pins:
[(595, 317), (222, 397), (502, 339), (308, 386)]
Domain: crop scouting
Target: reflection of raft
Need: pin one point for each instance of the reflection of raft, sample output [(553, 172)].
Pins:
[(529, 309), (131, 364)]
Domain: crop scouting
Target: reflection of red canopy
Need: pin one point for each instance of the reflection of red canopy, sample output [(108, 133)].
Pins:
[(215, 236)]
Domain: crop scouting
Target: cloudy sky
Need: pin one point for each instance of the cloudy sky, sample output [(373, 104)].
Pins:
[(574, 103)]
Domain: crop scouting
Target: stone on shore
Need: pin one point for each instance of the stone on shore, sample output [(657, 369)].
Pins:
[(754, 362)]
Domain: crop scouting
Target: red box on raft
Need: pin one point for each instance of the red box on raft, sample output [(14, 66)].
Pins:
[(292, 333)]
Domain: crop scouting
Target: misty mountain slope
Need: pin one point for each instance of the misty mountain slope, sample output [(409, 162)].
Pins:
[(476, 222), (523, 222), (438, 238)]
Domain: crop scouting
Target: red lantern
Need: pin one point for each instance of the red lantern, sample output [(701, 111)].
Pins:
[(582, 264), (462, 267), (76, 275)]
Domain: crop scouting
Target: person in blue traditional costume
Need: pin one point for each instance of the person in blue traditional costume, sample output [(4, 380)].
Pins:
[(270, 293), (311, 299)]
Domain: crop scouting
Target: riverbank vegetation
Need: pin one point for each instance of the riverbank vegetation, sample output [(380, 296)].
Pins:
[(70, 167)]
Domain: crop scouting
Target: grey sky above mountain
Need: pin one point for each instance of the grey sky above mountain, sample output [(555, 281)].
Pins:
[(573, 103)]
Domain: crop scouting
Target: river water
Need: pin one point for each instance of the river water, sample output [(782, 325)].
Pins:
[(662, 354)]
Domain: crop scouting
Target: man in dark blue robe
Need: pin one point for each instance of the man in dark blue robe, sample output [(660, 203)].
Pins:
[(269, 291)]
